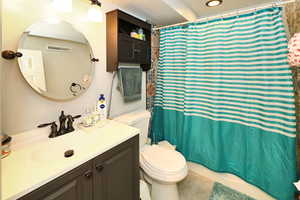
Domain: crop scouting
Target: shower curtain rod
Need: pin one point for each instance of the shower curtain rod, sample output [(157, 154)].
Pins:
[(279, 3)]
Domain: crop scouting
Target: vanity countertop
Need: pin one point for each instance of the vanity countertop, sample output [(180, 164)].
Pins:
[(37, 163)]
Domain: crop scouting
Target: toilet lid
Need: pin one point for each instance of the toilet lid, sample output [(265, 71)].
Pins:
[(163, 159)]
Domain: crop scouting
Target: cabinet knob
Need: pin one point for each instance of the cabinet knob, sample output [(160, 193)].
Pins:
[(88, 174), (99, 168), (136, 50)]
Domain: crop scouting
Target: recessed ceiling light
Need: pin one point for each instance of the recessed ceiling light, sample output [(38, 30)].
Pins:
[(213, 3)]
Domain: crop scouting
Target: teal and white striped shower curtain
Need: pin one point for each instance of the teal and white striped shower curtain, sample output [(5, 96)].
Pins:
[(225, 98)]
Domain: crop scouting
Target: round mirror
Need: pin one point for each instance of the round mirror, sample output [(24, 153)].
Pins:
[(57, 60)]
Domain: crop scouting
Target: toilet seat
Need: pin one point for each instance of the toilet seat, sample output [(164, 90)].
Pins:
[(163, 164)]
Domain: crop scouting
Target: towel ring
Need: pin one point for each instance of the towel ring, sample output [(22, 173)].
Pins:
[(75, 88)]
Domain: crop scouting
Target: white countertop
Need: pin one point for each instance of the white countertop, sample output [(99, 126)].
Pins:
[(38, 162)]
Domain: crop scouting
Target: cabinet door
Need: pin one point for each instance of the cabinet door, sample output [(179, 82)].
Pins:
[(75, 185), (125, 49), (140, 51), (117, 173)]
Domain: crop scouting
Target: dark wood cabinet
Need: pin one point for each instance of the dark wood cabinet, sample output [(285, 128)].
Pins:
[(123, 48), (117, 173), (113, 175)]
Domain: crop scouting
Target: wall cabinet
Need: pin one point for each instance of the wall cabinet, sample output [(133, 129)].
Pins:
[(121, 47), (113, 175)]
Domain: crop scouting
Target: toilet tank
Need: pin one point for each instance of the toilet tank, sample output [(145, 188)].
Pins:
[(137, 119)]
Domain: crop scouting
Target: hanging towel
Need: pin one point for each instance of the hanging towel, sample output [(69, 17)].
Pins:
[(130, 82)]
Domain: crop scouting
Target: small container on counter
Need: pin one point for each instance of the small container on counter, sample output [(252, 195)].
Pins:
[(5, 142)]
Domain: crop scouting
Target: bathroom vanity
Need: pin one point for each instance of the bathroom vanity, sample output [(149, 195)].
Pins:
[(105, 166), (98, 163)]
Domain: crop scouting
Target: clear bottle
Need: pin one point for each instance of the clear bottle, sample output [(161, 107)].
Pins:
[(141, 34), (87, 117), (96, 114)]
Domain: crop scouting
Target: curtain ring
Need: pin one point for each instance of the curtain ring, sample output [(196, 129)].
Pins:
[(207, 19), (279, 2), (237, 17), (255, 11)]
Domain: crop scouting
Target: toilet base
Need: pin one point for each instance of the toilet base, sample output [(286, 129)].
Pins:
[(160, 191)]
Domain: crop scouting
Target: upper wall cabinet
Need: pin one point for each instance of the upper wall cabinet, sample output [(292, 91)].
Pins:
[(122, 44)]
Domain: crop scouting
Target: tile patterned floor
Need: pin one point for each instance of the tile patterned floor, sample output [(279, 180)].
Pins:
[(195, 187)]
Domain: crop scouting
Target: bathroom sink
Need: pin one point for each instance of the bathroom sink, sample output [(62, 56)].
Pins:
[(52, 155), (54, 150)]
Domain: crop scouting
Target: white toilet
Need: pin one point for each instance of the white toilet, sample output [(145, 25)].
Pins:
[(162, 165)]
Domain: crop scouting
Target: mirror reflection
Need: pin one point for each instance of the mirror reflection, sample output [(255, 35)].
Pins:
[(56, 60)]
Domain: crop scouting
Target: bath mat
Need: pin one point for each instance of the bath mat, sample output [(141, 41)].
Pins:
[(221, 192)]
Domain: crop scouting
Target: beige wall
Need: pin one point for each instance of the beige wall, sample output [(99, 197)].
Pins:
[(1, 69), (1, 86), (23, 109)]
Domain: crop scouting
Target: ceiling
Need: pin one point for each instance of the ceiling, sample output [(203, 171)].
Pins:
[(165, 12), (201, 10), (155, 11)]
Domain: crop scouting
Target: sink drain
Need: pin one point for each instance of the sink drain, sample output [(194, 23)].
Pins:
[(69, 153)]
